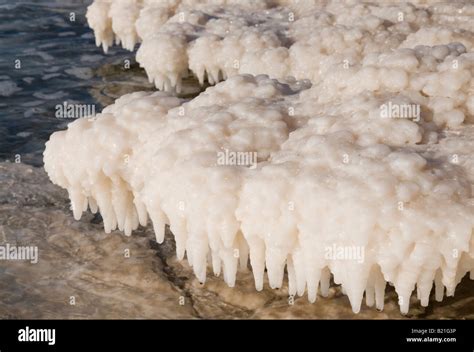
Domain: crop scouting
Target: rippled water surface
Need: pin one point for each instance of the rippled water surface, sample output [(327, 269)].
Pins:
[(48, 56)]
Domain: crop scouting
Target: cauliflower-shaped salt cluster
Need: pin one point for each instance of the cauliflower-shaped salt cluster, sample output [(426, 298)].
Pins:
[(303, 39)]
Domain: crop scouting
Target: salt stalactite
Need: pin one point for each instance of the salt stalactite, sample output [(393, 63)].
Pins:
[(101, 23), (304, 39), (304, 182)]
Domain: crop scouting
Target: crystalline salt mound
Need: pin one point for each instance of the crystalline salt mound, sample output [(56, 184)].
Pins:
[(215, 39), (307, 180)]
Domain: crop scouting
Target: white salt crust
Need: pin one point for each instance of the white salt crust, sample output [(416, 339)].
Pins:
[(216, 39), (331, 173)]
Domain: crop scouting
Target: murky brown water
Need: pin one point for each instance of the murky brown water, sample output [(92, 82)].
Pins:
[(79, 262)]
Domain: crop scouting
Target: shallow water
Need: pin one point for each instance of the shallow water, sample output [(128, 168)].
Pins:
[(58, 61)]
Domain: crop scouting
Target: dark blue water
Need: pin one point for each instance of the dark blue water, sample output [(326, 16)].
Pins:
[(58, 62)]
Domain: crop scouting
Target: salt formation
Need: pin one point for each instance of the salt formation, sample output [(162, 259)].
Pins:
[(215, 39), (322, 176)]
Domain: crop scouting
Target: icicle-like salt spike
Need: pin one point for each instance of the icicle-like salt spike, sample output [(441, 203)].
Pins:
[(104, 203), (380, 285), (300, 271), (439, 287), (141, 212), (404, 301), (325, 278), (131, 219), (355, 288), (77, 202), (216, 263), (275, 263), (99, 20), (230, 264), (375, 290), (313, 276), (120, 204), (180, 238), (93, 205), (200, 74), (243, 252), (424, 286), (165, 60), (291, 276), (198, 250), (158, 220), (257, 260), (450, 283), (200, 261), (370, 290)]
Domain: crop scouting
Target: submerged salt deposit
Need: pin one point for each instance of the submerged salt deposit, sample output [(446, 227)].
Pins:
[(361, 170)]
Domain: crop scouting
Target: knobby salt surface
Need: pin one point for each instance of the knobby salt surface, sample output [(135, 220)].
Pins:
[(331, 171)]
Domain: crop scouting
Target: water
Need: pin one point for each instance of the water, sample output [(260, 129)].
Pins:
[(58, 62)]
